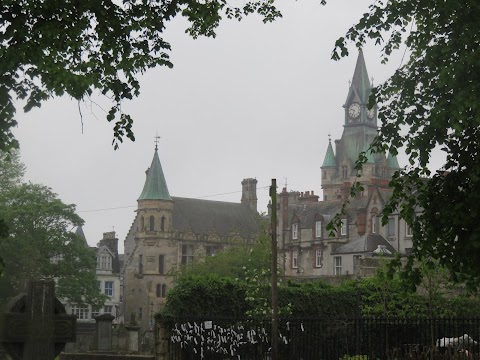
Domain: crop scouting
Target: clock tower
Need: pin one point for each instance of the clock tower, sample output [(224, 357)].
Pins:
[(359, 130)]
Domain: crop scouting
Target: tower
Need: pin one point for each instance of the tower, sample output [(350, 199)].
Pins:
[(359, 130)]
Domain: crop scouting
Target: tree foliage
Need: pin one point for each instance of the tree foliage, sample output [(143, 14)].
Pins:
[(41, 245), (235, 261), (431, 101), (50, 48)]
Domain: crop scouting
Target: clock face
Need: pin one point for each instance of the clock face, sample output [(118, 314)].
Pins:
[(354, 110), (371, 113)]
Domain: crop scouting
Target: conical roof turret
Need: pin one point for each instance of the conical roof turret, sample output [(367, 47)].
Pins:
[(155, 187), (392, 162), (329, 160)]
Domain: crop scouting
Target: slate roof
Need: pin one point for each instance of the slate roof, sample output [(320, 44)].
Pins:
[(306, 212), (205, 216), (364, 244), (155, 187)]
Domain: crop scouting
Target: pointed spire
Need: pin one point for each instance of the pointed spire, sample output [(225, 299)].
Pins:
[(329, 156), (155, 187), (79, 232), (360, 81), (392, 162)]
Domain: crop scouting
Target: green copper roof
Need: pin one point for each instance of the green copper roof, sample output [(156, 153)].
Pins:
[(360, 81), (155, 187), (392, 162), (329, 157)]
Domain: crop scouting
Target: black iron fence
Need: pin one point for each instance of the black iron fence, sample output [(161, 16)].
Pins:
[(325, 339)]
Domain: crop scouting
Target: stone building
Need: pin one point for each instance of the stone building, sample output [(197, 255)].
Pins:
[(109, 264), (170, 232), (308, 249)]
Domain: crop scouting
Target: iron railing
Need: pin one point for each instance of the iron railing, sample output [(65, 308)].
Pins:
[(325, 339)]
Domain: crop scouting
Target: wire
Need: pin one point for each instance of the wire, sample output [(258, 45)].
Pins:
[(198, 197)]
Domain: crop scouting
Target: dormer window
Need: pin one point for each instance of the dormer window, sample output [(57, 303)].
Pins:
[(294, 231), (344, 227), (104, 262), (318, 229)]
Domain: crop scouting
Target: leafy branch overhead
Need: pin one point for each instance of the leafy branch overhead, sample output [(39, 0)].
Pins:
[(431, 101), (75, 47)]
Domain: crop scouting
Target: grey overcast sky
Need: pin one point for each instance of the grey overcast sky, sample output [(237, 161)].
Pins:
[(257, 101)]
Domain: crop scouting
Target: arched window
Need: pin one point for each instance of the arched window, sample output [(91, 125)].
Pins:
[(142, 224), (152, 223), (162, 224)]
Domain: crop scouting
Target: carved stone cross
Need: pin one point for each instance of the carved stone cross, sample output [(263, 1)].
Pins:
[(35, 325)]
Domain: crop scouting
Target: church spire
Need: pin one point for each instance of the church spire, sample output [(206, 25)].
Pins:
[(155, 187), (360, 81)]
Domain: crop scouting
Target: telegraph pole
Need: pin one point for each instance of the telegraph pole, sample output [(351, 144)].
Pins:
[(273, 195)]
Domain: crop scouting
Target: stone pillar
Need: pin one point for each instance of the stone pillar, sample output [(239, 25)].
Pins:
[(132, 337), (104, 331)]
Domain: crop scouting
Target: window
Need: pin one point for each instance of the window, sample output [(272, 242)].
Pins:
[(295, 259), (80, 312), (294, 231), (374, 224), (391, 227), (99, 284), (142, 224), (337, 265), (161, 264), (212, 250), (95, 312), (140, 313), (152, 223), (161, 290), (109, 288), (187, 254), (318, 258), (140, 264), (162, 223), (343, 228), (408, 230), (318, 229), (105, 262), (108, 309), (344, 171)]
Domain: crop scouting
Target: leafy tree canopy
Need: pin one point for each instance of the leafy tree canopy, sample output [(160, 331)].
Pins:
[(234, 262), (41, 245), (431, 101), (50, 48)]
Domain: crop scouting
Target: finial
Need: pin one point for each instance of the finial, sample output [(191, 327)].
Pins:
[(157, 138), (349, 82), (372, 80), (329, 138), (286, 182)]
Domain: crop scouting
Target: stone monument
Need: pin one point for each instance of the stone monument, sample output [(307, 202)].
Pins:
[(35, 325)]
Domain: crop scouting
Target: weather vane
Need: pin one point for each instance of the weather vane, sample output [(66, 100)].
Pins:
[(157, 139)]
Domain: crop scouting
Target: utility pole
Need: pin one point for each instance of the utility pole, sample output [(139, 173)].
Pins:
[(273, 195)]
